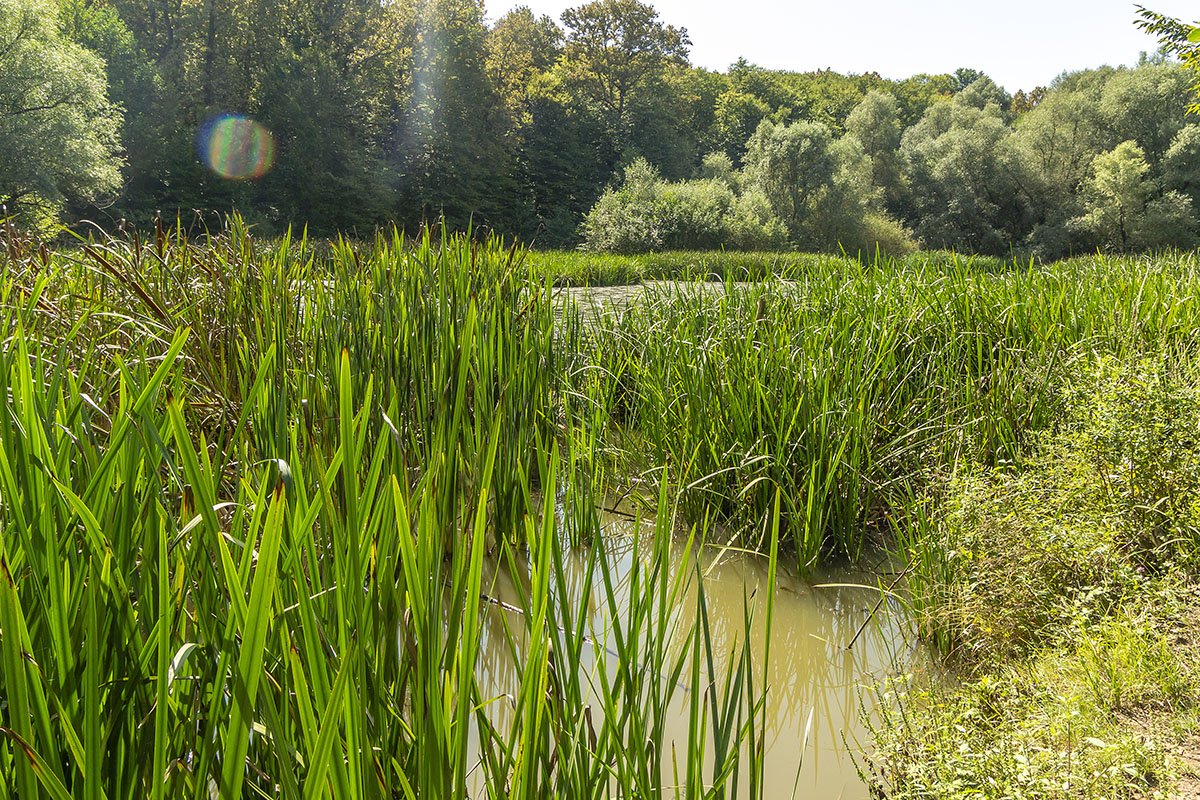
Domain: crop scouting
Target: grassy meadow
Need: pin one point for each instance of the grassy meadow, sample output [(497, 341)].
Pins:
[(251, 492)]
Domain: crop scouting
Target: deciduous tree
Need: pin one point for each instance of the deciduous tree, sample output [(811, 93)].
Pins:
[(615, 48), (875, 125), (1116, 195), (792, 165), (58, 130)]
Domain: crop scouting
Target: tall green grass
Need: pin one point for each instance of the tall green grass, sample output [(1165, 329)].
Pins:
[(845, 388), (251, 494), (247, 495), (581, 268), (1064, 593)]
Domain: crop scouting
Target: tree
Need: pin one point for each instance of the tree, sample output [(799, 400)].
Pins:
[(962, 193), (766, 85), (520, 47), (849, 215), (1051, 152), (59, 134), (1060, 137), (737, 116), (825, 96), (983, 92), (791, 165), (1169, 221), (647, 213), (564, 160), (1116, 196), (1023, 103), (965, 76), (1146, 104), (331, 92), (327, 80), (615, 48), (1177, 38), (718, 166), (134, 85), (677, 127), (1181, 164), (916, 94), (455, 159), (875, 125), (1124, 209)]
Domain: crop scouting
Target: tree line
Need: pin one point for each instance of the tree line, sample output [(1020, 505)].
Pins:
[(594, 129)]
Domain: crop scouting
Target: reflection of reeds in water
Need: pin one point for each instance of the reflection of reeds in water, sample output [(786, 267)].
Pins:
[(813, 699), (615, 645)]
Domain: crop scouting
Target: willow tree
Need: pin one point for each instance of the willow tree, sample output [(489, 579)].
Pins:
[(792, 165)]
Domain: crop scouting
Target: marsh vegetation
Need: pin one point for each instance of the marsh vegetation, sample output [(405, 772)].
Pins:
[(290, 518), (820, 465)]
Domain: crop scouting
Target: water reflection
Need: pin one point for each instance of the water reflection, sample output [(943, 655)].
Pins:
[(811, 673)]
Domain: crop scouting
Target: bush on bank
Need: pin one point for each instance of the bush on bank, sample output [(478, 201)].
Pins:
[(1066, 593), (647, 214)]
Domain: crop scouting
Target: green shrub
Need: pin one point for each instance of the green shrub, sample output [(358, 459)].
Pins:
[(878, 233), (1066, 592), (647, 214), (1041, 731), (1107, 500)]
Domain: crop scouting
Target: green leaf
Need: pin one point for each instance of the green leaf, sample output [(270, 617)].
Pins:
[(322, 755), (49, 781), (250, 664)]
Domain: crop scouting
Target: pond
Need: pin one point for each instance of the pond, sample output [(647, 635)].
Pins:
[(815, 680)]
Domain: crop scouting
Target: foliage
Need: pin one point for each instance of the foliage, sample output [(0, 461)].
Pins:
[(648, 214), (617, 48), (850, 216), (875, 125), (1181, 164), (412, 112), (1046, 730), (791, 165), (452, 167), (1121, 212), (255, 501), (520, 47), (961, 193), (1065, 590), (1146, 105), (737, 116), (58, 129), (1176, 37), (844, 385)]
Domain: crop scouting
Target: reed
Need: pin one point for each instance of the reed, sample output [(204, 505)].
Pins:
[(254, 497), (848, 387), (247, 497)]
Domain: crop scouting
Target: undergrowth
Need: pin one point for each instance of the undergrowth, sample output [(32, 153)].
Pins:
[(1065, 594)]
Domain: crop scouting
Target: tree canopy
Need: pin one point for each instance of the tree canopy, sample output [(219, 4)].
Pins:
[(592, 129), (58, 128)]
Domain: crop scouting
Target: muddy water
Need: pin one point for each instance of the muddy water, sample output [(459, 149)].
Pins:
[(812, 674)]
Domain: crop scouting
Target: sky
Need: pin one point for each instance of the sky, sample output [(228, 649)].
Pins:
[(1021, 44)]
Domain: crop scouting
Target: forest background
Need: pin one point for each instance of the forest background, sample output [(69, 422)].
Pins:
[(594, 130)]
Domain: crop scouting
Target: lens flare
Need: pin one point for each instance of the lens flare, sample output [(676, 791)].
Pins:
[(236, 147)]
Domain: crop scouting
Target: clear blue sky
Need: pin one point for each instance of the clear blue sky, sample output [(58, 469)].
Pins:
[(1020, 43)]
